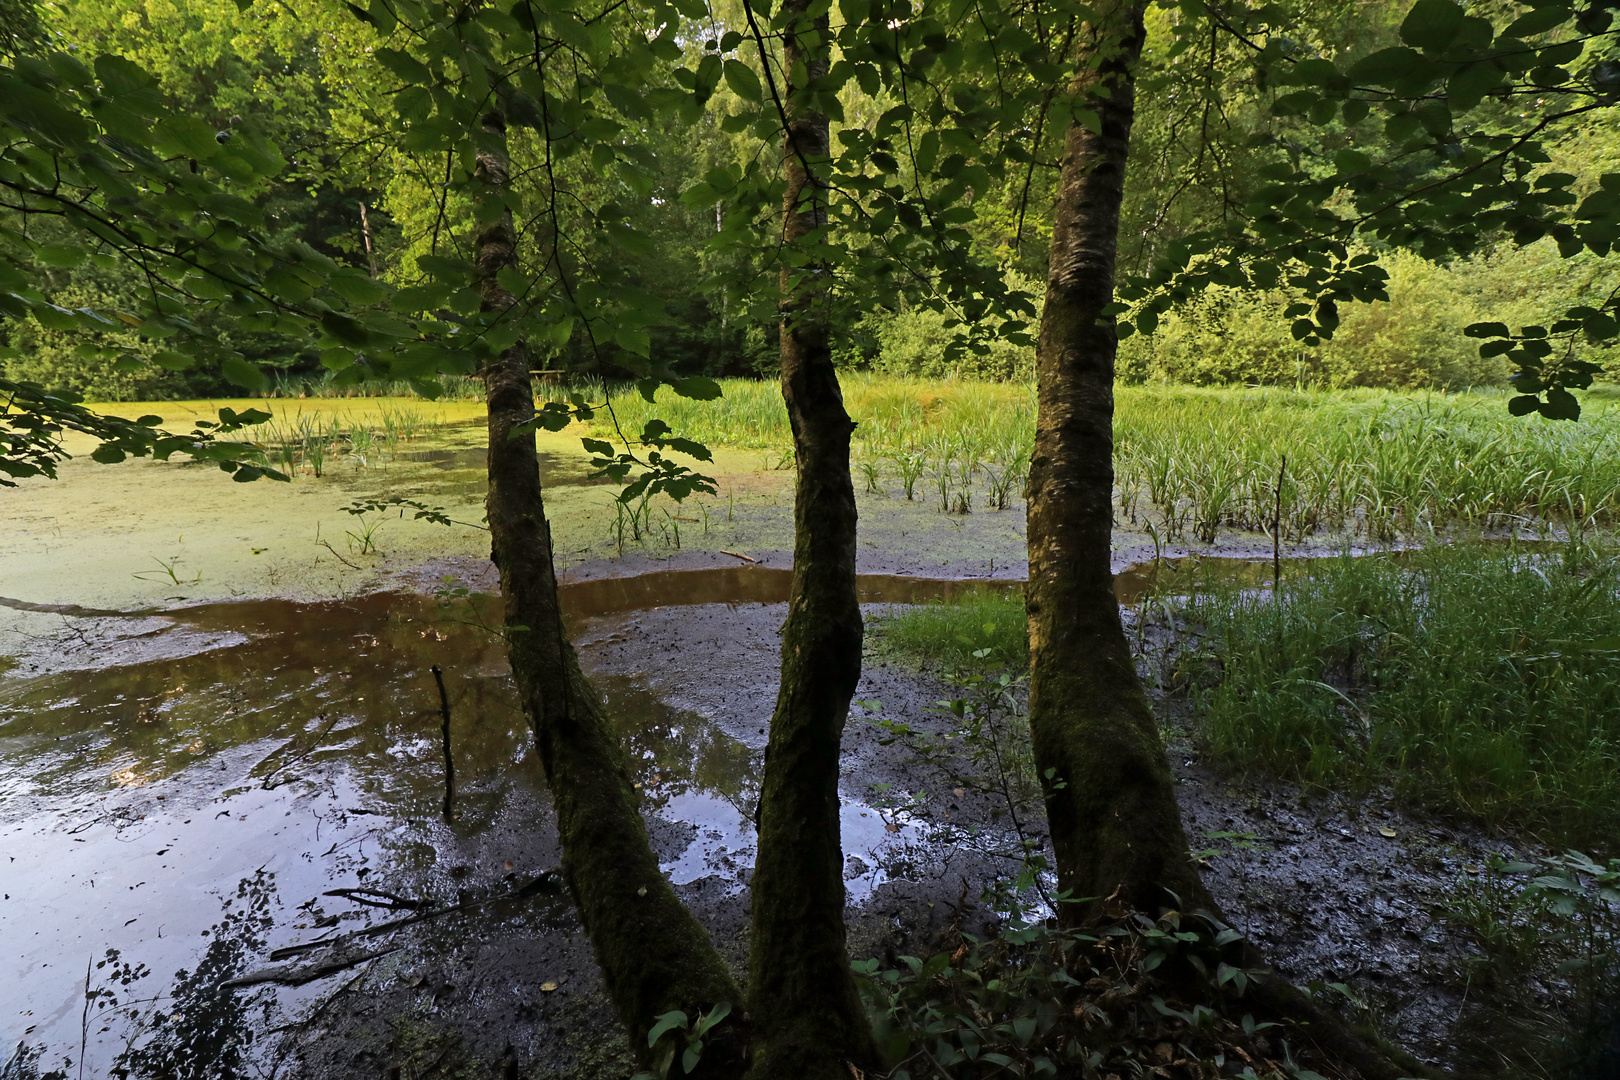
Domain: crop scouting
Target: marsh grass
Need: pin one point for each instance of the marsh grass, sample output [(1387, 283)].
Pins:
[(1192, 462), (310, 443), (1476, 679), (947, 635), (285, 384)]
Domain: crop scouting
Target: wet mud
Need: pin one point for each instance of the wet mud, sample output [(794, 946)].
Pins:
[(222, 788)]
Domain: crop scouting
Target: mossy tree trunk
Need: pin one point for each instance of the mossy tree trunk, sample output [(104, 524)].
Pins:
[(802, 993), (654, 955), (1110, 799)]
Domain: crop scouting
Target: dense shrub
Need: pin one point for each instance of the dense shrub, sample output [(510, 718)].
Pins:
[(1412, 341)]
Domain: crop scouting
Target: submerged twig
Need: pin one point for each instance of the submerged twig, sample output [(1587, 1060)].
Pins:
[(340, 558), (293, 975), (379, 898), (539, 884), (449, 762)]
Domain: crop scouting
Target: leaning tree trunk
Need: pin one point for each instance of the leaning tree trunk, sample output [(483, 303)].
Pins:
[(805, 1007), (654, 955), (1110, 797)]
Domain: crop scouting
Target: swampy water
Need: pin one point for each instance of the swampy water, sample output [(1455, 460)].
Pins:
[(302, 741), (237, 765), (153, 764)]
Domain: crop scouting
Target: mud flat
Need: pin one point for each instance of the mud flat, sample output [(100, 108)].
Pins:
[(231, 772)]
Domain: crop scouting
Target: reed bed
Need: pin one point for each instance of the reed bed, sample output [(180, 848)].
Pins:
[(1190, 463), (1476, 678), (313, 443)]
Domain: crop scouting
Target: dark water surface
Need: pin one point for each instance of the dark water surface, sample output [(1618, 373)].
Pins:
[(158, 768)]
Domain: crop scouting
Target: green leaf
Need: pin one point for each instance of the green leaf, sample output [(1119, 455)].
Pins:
[(1471, 83), (1432, 24), (59, 255), (1523, 405), (1560, 405), (1538, 22), (170, 360), (1384, 67), (698, 388), (242, 373), (404, 65), (743, 82), (667, 1022), (636, 243), (1350, 162), (356, 287), (190, 136)]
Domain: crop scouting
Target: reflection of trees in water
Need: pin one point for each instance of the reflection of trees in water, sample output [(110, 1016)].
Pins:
[(203, 1031), (195, 1031), (24, 1065)]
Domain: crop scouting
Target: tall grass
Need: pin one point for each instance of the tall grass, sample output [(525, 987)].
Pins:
[(284, 384), (1476, 679), (1193, 462), (311, 443)]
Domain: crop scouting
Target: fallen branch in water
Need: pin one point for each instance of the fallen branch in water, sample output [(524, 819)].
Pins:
[(270, 781), (546, 881), (294, 975), (379, 898)]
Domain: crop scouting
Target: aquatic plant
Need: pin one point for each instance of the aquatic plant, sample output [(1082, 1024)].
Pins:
[(1369, 463)]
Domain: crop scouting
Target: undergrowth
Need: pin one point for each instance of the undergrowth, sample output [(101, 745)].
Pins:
[(1476, 679), (1034, 1001), (1549, 931)]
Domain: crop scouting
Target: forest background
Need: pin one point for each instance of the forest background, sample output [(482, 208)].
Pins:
[(295, 72)]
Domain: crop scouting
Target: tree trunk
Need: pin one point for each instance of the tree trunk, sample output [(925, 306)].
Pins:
[(1110, 798), (654, 955), (807, 1011)]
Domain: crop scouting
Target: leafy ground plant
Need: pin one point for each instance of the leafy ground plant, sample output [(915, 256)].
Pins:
[(1033, 1001), (1543, 990)]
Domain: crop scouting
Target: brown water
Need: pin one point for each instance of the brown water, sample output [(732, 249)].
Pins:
[(771, 585), (153, 768), (152, 765)]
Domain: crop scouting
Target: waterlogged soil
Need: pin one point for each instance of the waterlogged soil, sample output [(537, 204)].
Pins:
[(230, 765)]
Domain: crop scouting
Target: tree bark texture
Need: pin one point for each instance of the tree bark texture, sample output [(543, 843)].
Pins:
[(654, 955), (803, 997), (1110, 799)]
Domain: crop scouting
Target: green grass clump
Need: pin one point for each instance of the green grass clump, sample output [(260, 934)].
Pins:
[(948, 634), (1476, 679), (1192, 462)]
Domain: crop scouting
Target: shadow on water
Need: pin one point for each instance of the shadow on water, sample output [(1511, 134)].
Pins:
[(292, 745)]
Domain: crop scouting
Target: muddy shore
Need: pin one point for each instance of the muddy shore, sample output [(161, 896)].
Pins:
[(239, 774)]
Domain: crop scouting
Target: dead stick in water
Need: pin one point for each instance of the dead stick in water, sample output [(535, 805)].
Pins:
[(449, 763), (1276, 528)]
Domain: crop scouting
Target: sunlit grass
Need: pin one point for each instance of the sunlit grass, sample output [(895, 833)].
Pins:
[(1192, 462), (1476, 679), (948, 635)]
